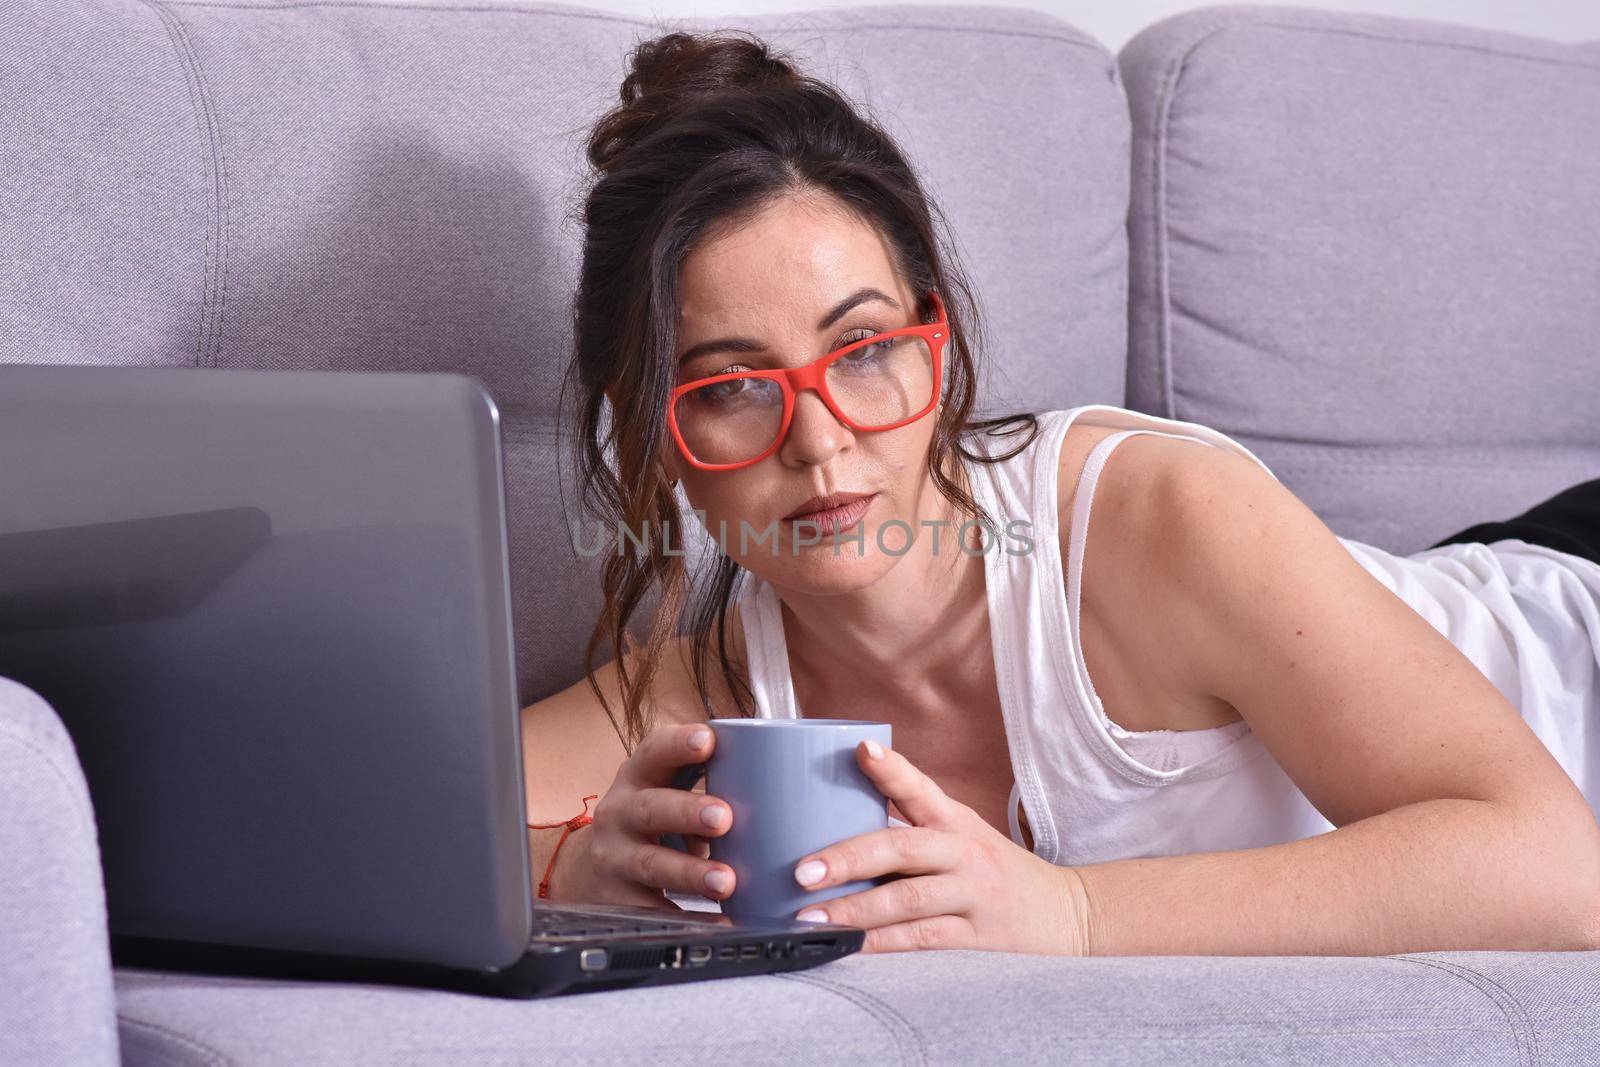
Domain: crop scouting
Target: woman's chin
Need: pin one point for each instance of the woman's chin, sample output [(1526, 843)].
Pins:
[(824, 568)]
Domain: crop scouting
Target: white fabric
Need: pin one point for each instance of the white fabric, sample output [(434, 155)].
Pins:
[(768, 655), (1526, 615)]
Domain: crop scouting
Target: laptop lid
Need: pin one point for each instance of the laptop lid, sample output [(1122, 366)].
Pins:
[(272, 609)]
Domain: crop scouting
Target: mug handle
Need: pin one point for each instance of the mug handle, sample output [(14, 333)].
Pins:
[(685, 778)]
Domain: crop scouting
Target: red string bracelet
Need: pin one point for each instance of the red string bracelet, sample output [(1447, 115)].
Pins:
[(571, 824)]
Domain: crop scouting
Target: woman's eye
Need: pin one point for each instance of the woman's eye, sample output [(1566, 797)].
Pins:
[(870, 352), (729, 369)]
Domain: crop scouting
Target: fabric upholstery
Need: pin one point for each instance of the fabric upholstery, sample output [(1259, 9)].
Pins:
[(352, 185), (56, 1001), (371, 186), (908, 1008), (1369, 249)]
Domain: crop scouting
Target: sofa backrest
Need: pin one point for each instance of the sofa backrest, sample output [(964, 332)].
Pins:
[(1369, 248), (398, 187)]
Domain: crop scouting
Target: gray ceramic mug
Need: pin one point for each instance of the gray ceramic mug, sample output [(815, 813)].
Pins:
[(795, 788)]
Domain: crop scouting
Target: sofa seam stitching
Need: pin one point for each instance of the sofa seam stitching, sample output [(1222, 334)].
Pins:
[(63, 776), (1511, 1007), (1066, 37), (1164, 99), (1292, 460), (189, 79), (212, 1055), (929, 27), (1487, 1015), (476, 9), (883, 1013), (219, 166), (844, 995), (1293, 1032), (1459, 46)]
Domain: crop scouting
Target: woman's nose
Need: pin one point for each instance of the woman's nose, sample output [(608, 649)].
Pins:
[(814, 434)]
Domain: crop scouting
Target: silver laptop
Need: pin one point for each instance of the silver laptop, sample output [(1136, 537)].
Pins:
[(272, 609)]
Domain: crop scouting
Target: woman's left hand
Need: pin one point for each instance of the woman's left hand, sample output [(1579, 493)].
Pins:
[(964, 884)]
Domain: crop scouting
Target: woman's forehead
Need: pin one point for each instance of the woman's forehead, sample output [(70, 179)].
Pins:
[(793, 259)]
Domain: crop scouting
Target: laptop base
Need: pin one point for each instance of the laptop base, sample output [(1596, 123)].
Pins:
[(550, 967)]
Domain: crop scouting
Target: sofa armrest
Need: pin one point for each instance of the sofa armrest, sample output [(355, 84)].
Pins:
[(56, 999)]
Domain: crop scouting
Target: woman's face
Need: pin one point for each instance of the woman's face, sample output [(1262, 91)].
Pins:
[(773, 282)]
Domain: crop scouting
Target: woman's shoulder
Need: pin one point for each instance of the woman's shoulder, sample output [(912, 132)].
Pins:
[(1131, 660), (674, 695), (1143, 462), (1122, 506), (1126, 477), (677, 695)]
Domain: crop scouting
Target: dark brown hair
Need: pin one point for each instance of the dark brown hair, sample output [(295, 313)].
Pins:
[(711, 130)]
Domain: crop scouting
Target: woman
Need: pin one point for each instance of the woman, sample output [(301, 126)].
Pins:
[(1253, 685)]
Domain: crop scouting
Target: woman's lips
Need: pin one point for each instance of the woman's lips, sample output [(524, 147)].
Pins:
[(840, 518)]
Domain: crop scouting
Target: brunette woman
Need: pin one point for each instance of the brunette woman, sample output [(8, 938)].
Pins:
[(1202, 723)]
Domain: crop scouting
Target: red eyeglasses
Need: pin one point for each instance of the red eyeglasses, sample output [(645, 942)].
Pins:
[(728, 421)]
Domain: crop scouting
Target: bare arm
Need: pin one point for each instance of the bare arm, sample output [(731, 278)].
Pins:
[(1456, 828), (571, 749)]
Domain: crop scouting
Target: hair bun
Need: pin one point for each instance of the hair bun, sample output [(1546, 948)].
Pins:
[(672, 68), (680, 63)]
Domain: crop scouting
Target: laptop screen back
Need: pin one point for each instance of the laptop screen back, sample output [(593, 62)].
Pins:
[(272, 610)]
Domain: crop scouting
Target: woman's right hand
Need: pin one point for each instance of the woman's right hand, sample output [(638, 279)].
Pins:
[(621, 859)]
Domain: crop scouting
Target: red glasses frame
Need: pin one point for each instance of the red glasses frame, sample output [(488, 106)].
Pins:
[(795, 380)]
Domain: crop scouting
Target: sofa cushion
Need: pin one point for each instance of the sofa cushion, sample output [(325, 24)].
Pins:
[(55, 967), (388, 186), (1369, 248), (931, 1007)]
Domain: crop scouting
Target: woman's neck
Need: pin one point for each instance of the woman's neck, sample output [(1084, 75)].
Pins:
[(909, 636)]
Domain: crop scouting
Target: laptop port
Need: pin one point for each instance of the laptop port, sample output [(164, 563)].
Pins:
[(674, 957), (774, 950), (749, 952), (728, 952), (700, 953)]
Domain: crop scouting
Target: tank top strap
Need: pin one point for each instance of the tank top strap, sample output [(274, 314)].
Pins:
[(766, 653), (1013, 822), (1083, 501)]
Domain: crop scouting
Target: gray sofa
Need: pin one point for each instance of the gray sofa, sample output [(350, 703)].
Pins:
[(1367, 247)]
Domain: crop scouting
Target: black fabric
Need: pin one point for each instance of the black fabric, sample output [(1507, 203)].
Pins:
[(1568, 522)]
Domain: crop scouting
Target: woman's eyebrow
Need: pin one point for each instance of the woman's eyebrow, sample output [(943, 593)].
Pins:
[(860, 296), (744, 344)]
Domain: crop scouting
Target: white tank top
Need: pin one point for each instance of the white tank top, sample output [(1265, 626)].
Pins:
[(1528, 616)]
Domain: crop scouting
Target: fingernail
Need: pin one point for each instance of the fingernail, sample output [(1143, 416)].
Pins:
[(874, 750), (813, 915), (699, 738), (810, 871), (719, 881), (711, 815)]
